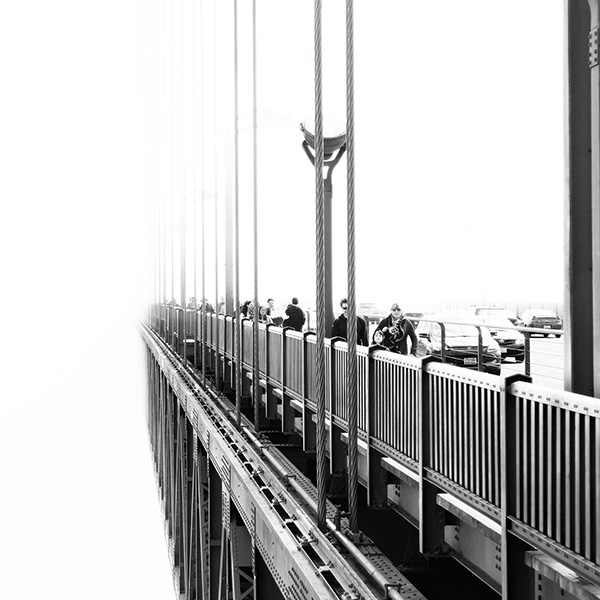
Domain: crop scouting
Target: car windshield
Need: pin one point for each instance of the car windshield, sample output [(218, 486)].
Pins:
[(498, 322), (496, 312), (543, 312)]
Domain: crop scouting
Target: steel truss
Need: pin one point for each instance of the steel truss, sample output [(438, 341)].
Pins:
[(235, 530)]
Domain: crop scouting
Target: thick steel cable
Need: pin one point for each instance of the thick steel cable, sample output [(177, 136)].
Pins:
[(320, 277), (164, 180), (352, 321), (255, 347), (182, 239), (202, 182), (194, 155), (158, 231), (172, 173), (237, 312), (216, 174)]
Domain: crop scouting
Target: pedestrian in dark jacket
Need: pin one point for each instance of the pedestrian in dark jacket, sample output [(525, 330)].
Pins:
[(340, 326), (295, 316), (393, 332)]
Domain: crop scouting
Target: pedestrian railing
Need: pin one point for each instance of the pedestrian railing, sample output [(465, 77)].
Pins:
[(462, 431)]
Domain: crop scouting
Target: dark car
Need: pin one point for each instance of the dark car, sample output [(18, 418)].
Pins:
[(510, 340), (496, 311), (542, 318), (414, 316), (460, 342)]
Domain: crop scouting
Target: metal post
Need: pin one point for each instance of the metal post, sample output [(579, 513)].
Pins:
[(328, 260), (581, 202)]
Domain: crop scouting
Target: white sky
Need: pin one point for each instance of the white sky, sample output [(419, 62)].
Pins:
[(459, 173), (459, 193)]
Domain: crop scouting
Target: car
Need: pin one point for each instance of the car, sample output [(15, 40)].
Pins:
[(510, 340), (542, 318), (460, 341), (496, 311), (414, 316), (371, 312)]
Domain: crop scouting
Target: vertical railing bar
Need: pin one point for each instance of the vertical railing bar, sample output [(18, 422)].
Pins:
[(435, 462), (413, 422), (587, 528), (525, 478), (541, 468), (453, 433), (387, 390), (461, 454), (476, 448), (450, 412), (596, 488), (577, 483), (534, 465), (462, 435), (470, 451), (444, 397), (550, 474), (417, 393), (405, 411), (497, 458), (394, 433), (490, 445), (559, 478), (567, 448), (398, 432), (518, 466), (441, 425)]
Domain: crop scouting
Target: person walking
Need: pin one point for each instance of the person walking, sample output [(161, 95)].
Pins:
[(394, 330), (340, 326), (295, 315)]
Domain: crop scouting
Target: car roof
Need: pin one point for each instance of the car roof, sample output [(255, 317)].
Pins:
[(458, 316), (540, 311)]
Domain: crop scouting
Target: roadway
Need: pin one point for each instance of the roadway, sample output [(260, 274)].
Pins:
[(547, 362)]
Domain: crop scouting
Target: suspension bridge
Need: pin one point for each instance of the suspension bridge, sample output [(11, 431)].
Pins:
[(291, 464)]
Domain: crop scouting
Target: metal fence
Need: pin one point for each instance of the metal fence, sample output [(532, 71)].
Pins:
[(551, 438)]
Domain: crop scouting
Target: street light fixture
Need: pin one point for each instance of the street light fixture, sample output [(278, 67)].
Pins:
[(334, 143)]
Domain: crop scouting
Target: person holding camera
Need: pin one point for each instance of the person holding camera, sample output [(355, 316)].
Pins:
[(393, 332)]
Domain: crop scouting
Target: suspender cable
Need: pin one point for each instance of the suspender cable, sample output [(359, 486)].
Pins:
[(172, 311), (164, 189), (194, 133), (216, 174), (237, 312), (203, 193), (352, 376), (255, 348), (183, 314), (320, 278), (159, 223)]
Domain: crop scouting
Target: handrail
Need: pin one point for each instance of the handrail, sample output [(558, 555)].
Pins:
[(555, 430)]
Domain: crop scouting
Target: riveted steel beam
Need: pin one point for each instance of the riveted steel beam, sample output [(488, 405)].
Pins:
[(303, 561)]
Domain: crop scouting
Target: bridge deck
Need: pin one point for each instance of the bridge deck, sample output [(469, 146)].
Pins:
[(489, 469)]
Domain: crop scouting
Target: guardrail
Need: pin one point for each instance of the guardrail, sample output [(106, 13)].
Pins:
[(456, 429)]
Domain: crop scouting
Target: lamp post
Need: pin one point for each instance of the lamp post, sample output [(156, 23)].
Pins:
[(334, 148)]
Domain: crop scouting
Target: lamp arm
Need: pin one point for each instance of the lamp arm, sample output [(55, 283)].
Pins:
[(308, 152), (336, 160)]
